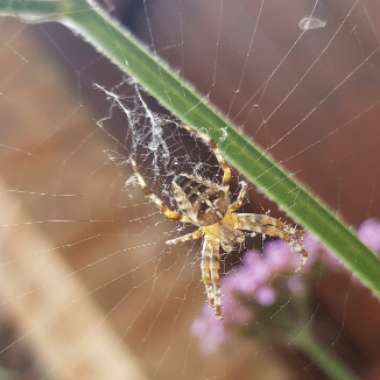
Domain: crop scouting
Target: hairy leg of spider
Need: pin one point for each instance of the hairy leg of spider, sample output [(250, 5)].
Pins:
[(153, 197), (210, 267), (227, 174), (266, 225), (206, 276), (191, 236), (240, 198)]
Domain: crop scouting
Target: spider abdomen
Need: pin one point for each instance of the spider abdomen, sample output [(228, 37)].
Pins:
[(201, 200)]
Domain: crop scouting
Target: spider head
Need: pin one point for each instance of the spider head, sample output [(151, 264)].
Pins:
[(201, 200)]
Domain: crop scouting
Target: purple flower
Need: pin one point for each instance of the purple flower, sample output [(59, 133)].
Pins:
[(369, 234), (210, 331), (266, 296), (278, 255), (234, 309), (261, 281)]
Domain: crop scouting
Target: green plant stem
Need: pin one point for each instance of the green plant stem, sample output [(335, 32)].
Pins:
[(325, 359), (31, 7), (109, 38)]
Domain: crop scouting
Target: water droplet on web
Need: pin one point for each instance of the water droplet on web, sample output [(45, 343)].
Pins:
[(311, 23)]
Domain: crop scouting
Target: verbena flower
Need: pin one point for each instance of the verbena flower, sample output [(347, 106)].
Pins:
[(369, 233), (210, 330), (252, 293), (266, 295)]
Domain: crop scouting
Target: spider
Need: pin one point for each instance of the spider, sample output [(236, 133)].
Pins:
[(208, 206)]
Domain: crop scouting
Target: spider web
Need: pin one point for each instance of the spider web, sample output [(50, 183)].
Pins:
[(301, 79)]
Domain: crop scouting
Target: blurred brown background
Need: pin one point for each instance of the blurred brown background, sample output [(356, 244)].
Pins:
[(310, 98)]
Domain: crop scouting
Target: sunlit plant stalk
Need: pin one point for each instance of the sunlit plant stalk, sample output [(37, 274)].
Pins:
[(133, 58)]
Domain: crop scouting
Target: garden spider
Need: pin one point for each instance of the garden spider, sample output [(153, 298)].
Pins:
[(207, 205)]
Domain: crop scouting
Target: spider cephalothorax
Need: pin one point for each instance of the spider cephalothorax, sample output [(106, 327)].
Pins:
[(208, 206)]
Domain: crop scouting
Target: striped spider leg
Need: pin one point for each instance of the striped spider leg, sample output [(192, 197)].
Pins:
[(266, 225)]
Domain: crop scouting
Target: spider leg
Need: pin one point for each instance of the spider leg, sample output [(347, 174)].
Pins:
[(227, 173), (171, 214), (267, 225), (210, 267), (182, 239), (240, 198)]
